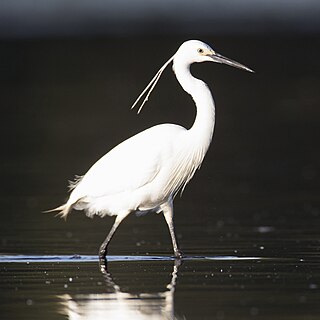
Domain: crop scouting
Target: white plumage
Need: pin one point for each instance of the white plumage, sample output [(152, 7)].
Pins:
[(138, 171), (145, 172)]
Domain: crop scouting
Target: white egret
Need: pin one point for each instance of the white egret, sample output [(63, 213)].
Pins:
[(145, 172)]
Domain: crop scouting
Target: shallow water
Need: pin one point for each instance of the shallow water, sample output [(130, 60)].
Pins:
[(248, 222), (160, 288)]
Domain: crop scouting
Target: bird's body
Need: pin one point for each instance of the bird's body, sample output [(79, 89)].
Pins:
[(145, 172), (141, 181), (140, 170)]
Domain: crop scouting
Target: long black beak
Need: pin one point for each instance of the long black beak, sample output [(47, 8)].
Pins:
[(216, 57)]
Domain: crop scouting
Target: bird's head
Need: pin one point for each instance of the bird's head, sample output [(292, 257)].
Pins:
[(194, 51), (189, 52)]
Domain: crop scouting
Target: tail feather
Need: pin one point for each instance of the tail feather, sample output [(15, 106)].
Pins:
[(63, 210)]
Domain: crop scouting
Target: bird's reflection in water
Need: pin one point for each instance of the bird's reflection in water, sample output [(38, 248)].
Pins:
[(122, 305)]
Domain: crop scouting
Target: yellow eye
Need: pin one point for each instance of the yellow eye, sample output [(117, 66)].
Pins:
[(200, 50)]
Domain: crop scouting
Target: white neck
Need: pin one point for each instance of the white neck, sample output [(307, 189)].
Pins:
[(202, 130)]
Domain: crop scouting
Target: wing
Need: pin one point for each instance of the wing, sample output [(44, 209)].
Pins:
[(130, 165)]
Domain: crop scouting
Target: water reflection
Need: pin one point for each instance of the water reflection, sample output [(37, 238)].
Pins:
[(118, 304)]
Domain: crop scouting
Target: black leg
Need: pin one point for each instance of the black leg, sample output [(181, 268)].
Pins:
[(105, 243), (104, 246)]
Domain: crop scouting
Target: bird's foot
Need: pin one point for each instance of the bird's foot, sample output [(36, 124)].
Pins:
[(179, 254)]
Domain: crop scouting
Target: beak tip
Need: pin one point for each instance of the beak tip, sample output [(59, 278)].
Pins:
[(221, 59)]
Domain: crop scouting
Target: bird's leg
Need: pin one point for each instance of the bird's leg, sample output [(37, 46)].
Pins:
[(167, 210), (105, 243)]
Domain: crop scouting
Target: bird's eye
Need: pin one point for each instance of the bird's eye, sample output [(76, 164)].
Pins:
[(200, 50)]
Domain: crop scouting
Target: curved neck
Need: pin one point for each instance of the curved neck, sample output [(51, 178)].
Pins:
[(203, 126)]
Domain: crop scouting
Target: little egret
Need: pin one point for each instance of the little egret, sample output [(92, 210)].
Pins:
[(145, 172)]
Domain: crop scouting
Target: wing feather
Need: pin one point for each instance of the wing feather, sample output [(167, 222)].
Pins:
[(130, 165), (184, 168)]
